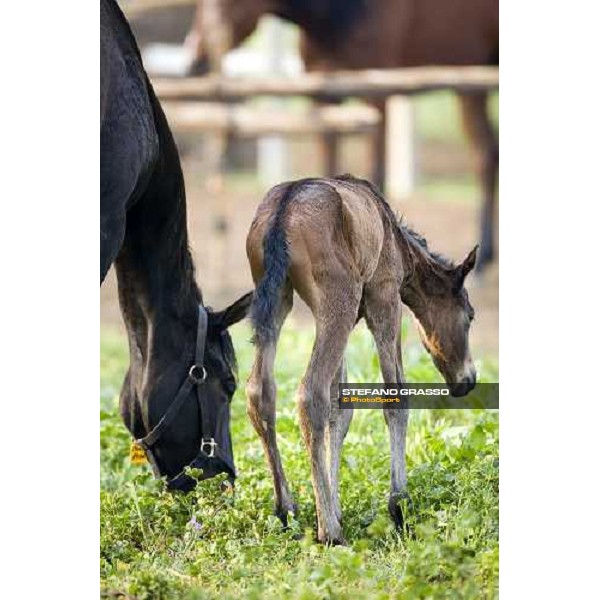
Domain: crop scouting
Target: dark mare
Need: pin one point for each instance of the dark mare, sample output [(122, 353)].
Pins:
[(382, 34), (176, 394)]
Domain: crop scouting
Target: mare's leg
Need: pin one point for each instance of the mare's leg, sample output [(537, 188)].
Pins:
[(335, 315), (261, 392), (130, 408), (383, 317), (339, 423), (112, 233), (478, 127)]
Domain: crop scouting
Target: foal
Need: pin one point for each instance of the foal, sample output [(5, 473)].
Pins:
[(339, 245)]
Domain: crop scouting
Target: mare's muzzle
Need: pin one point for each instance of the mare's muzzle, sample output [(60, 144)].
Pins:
[(211, 466)]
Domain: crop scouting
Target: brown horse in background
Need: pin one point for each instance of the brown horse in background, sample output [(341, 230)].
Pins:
[(337, 243), (380, 34)]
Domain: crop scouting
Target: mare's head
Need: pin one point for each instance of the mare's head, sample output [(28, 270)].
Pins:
[(436, 295), (199, 433)]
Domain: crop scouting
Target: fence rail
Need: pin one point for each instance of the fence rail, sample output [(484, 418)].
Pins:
[(340, 84), (247, 121), (132, 8)]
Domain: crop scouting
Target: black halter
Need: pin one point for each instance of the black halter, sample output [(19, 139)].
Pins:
[(195, 379)]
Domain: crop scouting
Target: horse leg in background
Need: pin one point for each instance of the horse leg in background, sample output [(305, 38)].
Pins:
[(330, 143), (339, 423), (383, 315), (333, 330), (379, 148), (261, 392), (479, 129)]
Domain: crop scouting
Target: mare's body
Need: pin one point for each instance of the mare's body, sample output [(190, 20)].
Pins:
[(143, 232)]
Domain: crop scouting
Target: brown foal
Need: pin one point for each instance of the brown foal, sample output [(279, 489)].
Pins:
[(338, 244)]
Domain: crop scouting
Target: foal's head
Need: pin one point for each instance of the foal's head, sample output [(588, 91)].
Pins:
[(436, 295)]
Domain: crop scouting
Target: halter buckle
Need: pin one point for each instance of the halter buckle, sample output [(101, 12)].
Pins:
[(210, 442), (197, 374)]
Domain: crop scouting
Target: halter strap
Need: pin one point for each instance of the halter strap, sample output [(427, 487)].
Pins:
[(196, 376)]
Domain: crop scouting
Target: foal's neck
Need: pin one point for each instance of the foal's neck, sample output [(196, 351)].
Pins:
[(420, 268)]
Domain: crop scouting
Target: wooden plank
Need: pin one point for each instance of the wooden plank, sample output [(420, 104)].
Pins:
[(132, 8), (247, 121), (339, 84)]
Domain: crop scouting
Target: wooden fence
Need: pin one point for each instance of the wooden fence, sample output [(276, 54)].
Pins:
[(202, 105), (369, 84)]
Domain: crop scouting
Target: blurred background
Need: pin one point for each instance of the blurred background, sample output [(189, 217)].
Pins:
[(228, 169)]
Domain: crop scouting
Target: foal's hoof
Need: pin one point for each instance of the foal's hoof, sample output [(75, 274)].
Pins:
[(336, 540), (396, 505), (282, 513)]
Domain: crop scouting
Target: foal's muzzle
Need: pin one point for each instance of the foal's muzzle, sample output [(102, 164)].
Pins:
[(464, 386)]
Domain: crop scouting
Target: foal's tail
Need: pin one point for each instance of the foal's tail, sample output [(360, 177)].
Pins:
[(276, 252)]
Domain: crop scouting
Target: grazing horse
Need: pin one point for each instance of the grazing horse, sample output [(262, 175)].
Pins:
[(337, 243), (176, 394), (382, 34)]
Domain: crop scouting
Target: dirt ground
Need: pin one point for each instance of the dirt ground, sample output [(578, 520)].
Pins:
[(219, 221)]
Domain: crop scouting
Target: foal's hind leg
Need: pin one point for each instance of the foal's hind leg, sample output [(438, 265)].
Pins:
[(339, 423), (383, 317), (261, 394), (335, 320)]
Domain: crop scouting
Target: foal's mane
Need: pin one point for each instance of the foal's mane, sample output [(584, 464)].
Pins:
[(414, 240)]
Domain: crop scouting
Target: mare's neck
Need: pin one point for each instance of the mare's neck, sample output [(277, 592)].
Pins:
[(157, 291)]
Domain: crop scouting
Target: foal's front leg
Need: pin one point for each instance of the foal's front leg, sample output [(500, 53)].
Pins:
[(383, 316), (397, 422)]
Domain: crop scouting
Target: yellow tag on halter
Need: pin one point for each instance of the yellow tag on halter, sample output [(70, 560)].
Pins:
[(137, 456)]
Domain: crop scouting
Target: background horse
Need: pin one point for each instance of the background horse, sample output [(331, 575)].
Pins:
[(337, 243), (143, 231), (356, 34)]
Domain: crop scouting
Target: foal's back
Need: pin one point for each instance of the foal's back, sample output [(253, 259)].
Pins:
[(333, 229)]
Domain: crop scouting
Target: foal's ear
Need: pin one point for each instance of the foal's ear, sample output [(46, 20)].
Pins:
[(465, 268), (234, 313)]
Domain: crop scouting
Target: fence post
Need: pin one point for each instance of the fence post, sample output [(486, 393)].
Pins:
[(400, 147), (273, 149)]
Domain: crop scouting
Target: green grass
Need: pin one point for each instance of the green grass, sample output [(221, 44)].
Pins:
[(151, 550)]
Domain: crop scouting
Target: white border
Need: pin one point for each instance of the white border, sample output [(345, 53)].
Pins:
[(50, 304)]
